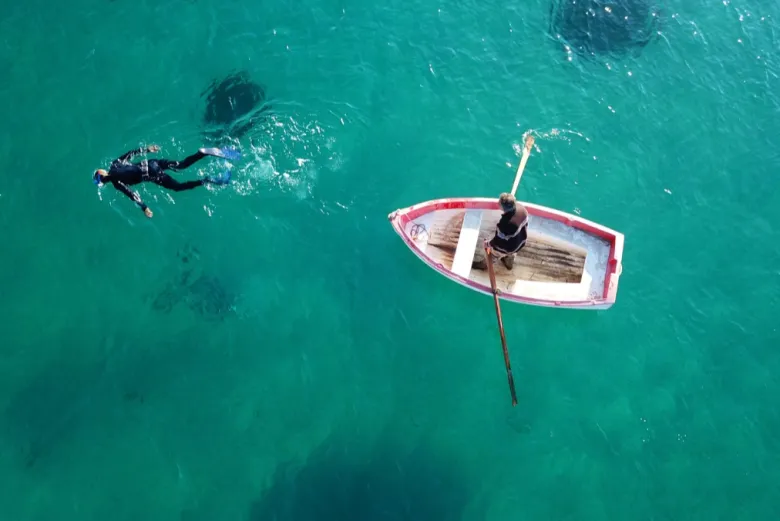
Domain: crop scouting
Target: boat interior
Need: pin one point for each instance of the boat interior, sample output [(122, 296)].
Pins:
[(558, 262)]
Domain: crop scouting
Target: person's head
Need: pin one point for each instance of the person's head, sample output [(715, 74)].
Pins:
[(97, 177), (507, 202)]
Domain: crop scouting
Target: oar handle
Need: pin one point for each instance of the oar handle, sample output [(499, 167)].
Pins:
[(529, 142)]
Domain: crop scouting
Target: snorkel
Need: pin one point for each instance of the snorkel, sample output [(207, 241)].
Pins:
[(97, 178)]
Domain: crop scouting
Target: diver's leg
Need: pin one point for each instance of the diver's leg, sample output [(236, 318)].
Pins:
[(170, 183), (225, 153), (169, 164)]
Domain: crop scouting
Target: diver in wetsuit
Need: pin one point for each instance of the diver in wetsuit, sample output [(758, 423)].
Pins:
[(511, 232), (122, 173)]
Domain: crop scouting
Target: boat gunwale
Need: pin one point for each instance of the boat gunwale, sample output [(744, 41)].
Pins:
[(401, 217)]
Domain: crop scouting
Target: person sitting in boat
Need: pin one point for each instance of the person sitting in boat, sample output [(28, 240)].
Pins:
[(511, 230)]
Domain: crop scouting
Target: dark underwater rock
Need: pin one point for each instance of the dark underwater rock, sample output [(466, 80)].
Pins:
[(208, 297), (233, 105), (388, 485), (202, 292), (603, 27)]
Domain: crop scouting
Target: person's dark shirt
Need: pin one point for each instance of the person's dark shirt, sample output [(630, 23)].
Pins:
[(512, 229)]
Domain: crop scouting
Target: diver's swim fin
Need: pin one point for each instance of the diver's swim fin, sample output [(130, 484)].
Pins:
[(224, 152), (222, 179)]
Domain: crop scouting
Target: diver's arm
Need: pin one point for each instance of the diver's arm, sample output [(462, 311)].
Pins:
[(132, 153), (119, 185)]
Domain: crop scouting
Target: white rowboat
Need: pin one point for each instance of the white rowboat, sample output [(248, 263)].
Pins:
[(567, 261)]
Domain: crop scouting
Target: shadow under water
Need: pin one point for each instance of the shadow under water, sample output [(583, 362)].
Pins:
[(387, 484), (202, 292), (51, 408), (233, 106), (603, 27)]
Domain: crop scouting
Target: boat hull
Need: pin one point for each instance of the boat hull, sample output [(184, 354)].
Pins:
[(568, 261)]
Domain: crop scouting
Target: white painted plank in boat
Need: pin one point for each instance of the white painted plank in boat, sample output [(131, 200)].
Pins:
[(557, 291), (467, 243)]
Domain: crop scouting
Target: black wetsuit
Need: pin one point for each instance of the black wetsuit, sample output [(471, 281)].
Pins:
[(122, 173), (511, 231)]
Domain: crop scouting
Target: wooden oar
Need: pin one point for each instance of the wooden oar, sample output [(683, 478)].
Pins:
[(492, 274), (529, 142)]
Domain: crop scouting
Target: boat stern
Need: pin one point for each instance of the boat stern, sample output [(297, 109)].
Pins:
[(615, 266)]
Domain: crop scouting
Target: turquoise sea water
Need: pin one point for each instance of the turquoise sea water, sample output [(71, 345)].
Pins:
[(271, 349)]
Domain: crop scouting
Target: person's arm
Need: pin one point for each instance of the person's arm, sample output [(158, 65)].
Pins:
[(119, 185), (501, 225), (132, 153)]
